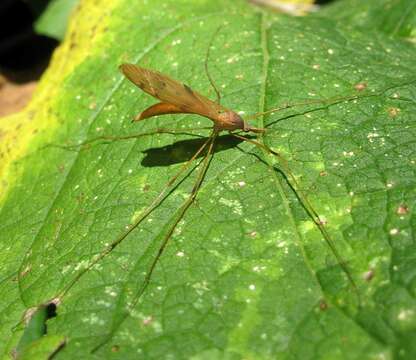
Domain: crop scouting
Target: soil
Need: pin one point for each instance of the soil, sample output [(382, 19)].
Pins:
[(13, 96)]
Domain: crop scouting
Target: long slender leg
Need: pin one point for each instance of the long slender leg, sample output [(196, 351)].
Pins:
[(178, 217), (201, 175), (308, 102), (135, 136), (155, 203), (331, 101), (308, 207)]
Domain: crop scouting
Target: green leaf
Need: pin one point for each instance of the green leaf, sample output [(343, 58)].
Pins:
[(247, 272), (34, 329), (54, 18), (43, 348), (393, 17)]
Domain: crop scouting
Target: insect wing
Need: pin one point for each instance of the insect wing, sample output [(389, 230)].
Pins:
[(171, 91)]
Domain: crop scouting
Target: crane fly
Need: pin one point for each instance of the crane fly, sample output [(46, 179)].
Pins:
[(177, 98)]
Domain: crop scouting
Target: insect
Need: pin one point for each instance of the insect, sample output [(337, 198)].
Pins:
[(175, 98), (180, 98)]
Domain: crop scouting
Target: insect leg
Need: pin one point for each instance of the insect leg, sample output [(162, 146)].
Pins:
[(181, 212), (86, 143), (308, 207), (331, 101), (178, 217), (325, 102), (155, 203)]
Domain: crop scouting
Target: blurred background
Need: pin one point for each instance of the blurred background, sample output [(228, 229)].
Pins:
[(29, 32)]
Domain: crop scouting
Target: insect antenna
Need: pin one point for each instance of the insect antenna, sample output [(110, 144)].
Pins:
[(211, 80)]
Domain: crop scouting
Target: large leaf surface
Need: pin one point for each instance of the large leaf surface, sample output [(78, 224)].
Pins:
[(247, 273)]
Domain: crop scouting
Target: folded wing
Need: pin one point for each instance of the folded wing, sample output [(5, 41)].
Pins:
[(171, 91)]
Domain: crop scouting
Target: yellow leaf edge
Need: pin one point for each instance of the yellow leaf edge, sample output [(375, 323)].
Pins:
[(19, 132)]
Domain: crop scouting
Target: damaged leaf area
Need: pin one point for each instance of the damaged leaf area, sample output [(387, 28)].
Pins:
[(247, 270)]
